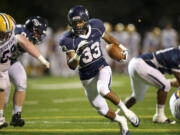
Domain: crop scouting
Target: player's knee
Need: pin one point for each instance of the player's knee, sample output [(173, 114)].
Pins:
[(103, 89), (102, 111), (167, 87)]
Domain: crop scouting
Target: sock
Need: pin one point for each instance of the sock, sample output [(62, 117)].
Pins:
[(121, 120), (17, 109), (122, 106), (160, 109), (1, 113)]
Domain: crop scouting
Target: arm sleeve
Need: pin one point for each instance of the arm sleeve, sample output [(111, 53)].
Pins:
[(98, 24)]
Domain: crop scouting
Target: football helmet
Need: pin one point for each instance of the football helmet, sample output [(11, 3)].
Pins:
[(174, 103), (7, 25), (37, 27), (78, 14)]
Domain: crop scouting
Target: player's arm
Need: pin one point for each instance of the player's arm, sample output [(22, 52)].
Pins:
[(73, 56), (175, 82), (72, 59), (111, 40), (31, 49)]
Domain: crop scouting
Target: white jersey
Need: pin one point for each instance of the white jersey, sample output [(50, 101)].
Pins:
[(169, 38), (5, 52)]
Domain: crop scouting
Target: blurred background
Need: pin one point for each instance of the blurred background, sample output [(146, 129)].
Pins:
[(141, 25)]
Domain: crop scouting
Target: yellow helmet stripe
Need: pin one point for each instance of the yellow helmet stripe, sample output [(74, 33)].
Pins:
[(2, 15), (11, 21), (6, 19)]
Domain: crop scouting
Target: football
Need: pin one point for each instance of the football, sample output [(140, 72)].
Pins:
[(115, 52)]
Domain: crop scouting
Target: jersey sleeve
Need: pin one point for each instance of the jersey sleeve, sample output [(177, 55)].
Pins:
[(65, 43), (20, 29), (98, 24)]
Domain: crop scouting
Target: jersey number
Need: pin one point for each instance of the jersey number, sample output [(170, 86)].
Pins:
[(6, 55), (90, 56)]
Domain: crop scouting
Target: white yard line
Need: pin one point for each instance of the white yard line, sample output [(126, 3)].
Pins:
[(67, 122), (63, 86), (31, 102), (69, 100)]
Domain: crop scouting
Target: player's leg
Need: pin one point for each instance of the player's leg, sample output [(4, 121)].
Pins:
[(99, 103), (103, 85), (19, 80), (155, 78), (5, 83), (138, 86)]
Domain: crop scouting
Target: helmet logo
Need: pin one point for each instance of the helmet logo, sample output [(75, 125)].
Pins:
[(76, 17), (36, 22), (86, 11)]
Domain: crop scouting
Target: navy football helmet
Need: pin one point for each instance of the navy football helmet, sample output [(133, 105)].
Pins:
[(37, 27), (78, 14)]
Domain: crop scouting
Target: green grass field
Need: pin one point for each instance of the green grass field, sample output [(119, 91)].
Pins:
[(58, 106)]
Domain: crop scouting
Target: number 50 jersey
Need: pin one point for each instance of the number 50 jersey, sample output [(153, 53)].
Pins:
[(91, 59), (6, 51)]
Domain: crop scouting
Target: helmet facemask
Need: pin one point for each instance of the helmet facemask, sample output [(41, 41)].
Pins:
[(37, 27), (4, 36), (38, 36)]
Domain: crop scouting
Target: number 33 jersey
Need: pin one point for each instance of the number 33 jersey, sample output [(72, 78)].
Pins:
[(91, 60)]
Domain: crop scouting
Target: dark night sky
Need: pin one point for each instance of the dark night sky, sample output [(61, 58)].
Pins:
[(151, 12)]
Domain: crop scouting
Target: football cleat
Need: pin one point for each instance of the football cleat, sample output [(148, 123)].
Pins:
[(3, 123), (162, 119), (16, 120), (131, 116), (123, 126)]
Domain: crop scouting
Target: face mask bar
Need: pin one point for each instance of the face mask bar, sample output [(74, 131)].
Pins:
[(4, 36)]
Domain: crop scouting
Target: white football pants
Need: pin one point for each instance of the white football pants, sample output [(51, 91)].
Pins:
[(18, 77), (97, 87), (142, 75)]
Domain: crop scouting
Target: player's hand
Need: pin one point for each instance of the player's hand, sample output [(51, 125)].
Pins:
[(81, 46), (44, 61), (47, 65), (124, 52)]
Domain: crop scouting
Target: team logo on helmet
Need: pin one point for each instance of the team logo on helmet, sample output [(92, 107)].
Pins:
[(177, 94)]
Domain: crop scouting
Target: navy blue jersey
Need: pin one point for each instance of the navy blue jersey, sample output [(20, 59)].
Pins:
[(168, 59), (92, 58), (20, 29)]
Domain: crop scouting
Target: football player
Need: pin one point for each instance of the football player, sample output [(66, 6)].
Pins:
[(82, 46), (149, 69), (174, 103), (8, 43), (35, 31)]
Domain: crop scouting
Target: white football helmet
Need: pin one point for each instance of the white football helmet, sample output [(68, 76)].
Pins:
[(174, 103)]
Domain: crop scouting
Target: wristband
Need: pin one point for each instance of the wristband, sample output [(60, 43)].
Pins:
[(122, 47), (42, 60)]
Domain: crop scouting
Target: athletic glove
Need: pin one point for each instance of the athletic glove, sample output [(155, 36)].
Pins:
[(124, 52), (81, 46)]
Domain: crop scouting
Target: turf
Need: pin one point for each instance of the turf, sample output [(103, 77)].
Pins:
[(58, 106)]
